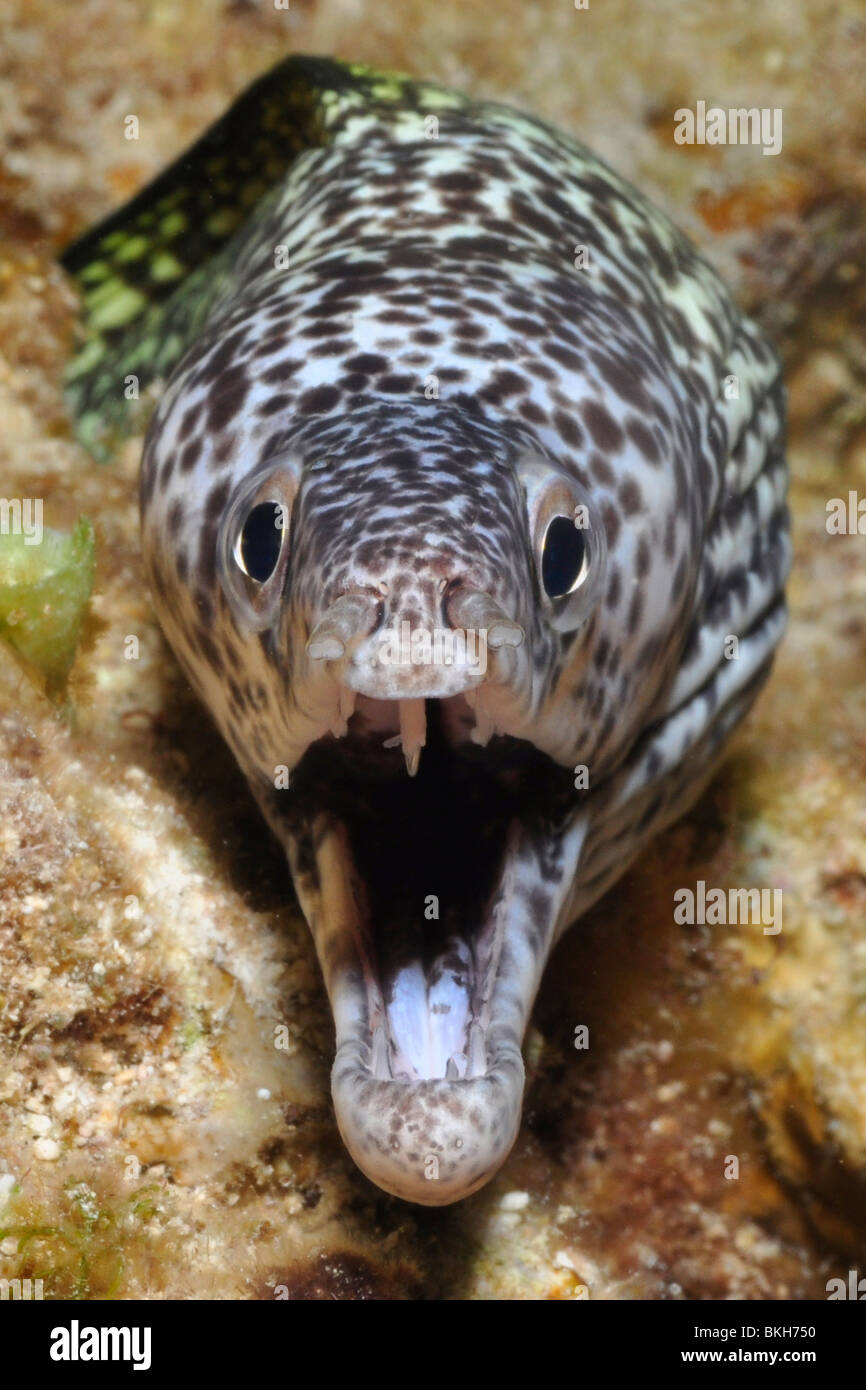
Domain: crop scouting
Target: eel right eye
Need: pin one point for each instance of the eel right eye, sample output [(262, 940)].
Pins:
[(260, 540), (254, 543), (564, 557)]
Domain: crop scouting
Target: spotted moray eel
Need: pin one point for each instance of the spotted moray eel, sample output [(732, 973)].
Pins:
[(421, 359)]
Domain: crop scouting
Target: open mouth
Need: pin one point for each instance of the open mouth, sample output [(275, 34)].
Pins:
[(432, 926)]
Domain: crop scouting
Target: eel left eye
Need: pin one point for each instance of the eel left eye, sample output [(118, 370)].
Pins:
[(260, 541), (564, 557)]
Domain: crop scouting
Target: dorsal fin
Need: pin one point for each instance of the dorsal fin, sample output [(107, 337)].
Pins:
[(150, 271)]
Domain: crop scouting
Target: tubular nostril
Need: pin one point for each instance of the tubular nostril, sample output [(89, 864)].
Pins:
[(350, 619), (477, 611)]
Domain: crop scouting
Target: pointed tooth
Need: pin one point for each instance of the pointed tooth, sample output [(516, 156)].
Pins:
[(379, 1064), (482, 733), (347, 703), (484, 727), (345, 710), (476, 1052), (413, 731)]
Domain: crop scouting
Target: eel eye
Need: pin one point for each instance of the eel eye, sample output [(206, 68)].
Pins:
[(254, 542), (564, 557), (569, 545), (260, 540)]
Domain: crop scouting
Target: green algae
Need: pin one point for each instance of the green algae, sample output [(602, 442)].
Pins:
[(46, 578), (85, 1253)]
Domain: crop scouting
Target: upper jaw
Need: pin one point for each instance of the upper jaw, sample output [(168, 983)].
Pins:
[(458, 641)]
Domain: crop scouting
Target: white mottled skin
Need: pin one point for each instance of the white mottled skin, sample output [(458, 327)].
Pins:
[(607, 381)]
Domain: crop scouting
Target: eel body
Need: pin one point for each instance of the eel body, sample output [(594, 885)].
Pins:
[(463, 507)]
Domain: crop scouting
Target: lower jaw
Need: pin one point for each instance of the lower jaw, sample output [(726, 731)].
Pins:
[(428, 1142), (432, 933), (429, 1123)]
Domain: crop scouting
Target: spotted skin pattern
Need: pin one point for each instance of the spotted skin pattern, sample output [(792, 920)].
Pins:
[(434, 291)]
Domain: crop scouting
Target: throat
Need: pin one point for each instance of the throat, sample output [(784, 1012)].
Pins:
[(430, 869)]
